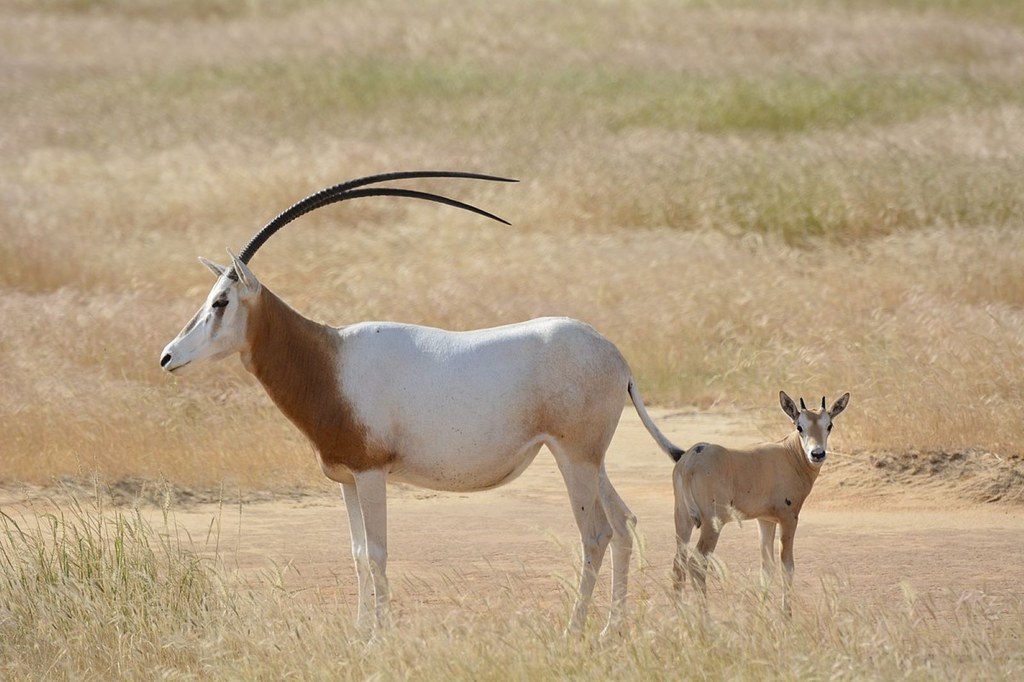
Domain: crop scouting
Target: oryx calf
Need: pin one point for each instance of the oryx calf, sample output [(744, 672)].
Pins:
[(714, 485), (459, 411)]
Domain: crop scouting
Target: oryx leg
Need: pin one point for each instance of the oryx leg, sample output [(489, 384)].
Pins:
[(371, 565), (623, 524), (766, 529), (788, 566), (359, 554), (581, 481)]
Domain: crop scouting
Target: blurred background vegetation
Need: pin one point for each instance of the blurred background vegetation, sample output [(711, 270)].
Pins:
[(743, 195)]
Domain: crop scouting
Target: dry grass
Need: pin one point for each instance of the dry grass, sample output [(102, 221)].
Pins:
[(744, 196), (94, 593)]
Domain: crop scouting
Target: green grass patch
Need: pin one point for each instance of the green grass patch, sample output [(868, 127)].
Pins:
[(169, 10), (989, 11), (791, 102), (296, 98)]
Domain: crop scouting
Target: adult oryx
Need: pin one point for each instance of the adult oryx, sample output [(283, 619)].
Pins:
[(459, 411)]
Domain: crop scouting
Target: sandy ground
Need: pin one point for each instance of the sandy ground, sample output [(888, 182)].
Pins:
[(876, 544)]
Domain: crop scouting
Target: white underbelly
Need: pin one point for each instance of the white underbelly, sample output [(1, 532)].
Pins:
[(466, 471)]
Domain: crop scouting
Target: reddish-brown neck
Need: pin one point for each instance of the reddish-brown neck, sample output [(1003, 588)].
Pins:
[(298, 361)]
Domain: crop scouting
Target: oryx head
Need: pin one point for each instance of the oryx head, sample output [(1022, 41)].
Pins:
[(219, 328), (813, 425)]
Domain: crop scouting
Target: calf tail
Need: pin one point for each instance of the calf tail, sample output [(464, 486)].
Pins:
[(664, 443)]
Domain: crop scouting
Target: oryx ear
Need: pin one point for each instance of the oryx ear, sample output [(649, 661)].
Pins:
[(788, 406), (245, 276), (839, 406), (216, 269)]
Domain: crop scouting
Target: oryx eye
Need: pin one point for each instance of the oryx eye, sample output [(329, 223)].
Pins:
[(219, 303)]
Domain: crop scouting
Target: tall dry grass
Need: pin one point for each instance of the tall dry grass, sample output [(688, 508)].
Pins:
[(744, 196), (95, 593)]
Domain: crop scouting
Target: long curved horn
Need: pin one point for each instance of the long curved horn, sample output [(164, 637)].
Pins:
[(349, 190)]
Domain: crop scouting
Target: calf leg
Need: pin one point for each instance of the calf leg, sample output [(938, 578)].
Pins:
[(684, 529), (706, 543), (788, 566), (766, 529)]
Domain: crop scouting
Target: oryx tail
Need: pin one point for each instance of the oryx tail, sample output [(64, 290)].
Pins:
[(663, 442)]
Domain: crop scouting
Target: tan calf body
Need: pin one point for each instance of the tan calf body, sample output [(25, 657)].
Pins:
[(769, 481), (714, 484)]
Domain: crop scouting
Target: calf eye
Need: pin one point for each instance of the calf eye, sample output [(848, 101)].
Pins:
[(799, 428), (829, 427)]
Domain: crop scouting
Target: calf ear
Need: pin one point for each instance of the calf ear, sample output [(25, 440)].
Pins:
[(838, 406), (788, 406)]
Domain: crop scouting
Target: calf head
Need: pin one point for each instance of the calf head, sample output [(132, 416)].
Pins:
[(813, 425)]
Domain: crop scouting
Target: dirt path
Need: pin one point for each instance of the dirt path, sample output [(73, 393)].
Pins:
[(460, 548)]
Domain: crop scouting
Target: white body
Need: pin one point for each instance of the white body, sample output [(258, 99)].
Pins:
[(458, 411), (476, 406)]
